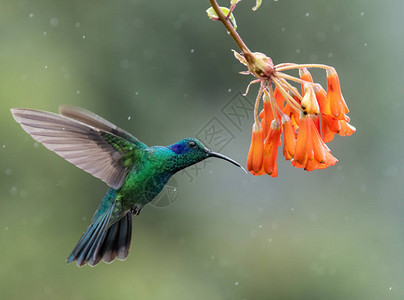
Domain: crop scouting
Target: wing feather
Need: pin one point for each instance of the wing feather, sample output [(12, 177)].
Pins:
[(94, 120), (80, 143)]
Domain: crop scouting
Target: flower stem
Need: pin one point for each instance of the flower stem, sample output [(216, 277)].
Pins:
[(236, 37), (291, 78), (284, 67), (257, 102), (292, 102)]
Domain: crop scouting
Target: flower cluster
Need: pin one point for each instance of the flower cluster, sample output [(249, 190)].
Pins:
[(307, 119)]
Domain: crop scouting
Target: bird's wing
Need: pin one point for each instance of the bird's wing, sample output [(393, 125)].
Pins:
[(94, 120), (102, 154)]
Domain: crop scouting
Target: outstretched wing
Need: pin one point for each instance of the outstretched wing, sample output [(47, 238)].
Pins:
[(94, 120), (101, 153)]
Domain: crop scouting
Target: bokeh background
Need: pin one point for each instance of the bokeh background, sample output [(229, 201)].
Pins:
[(162, 70)]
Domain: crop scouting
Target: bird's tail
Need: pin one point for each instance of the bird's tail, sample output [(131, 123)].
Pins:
[(103, 242)]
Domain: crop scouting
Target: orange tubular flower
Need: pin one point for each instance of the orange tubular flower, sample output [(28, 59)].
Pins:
[(311, 151), (305, 75), (335, 105), (289, 139), (309, 102), (329, 124), (272, 141), (268, 115), (256, 153)]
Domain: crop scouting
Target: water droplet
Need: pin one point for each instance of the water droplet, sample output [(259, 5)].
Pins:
[(46, 67), (31, 15), (307, 14), (229, 90), (366, 44), (6, 228), (192, 50), (13, 191), (362, 13), (136, 93), (78, 92), (297, 51), (260, 226), (77, 25), (390, 288), (54, 22), (129, 118), (330, 54), (4, 146), (44, 33), (292, 209), (270, 240), (83, 36), (283, 29), (236, 283)]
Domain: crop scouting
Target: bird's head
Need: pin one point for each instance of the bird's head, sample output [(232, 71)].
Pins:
[(191, 151)]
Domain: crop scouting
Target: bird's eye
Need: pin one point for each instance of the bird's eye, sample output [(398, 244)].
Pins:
[(192, 144)]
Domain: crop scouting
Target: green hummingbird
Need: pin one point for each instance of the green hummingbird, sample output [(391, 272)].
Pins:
[(134, 172)]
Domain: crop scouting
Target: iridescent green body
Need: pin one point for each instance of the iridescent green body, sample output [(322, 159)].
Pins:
[(153, 168)]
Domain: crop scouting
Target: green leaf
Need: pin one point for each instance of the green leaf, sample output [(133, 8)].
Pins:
[(213, 16), (257, 5)]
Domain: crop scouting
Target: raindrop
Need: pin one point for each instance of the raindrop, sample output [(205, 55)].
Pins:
[(4, 146), (229, 90), (192, 50), (390, 288), (84, 36), (292, 209), (78, 92), (362, 13), (236, 283), (54, 22), (44, 33), (366, 44), (129, 118), (13, 191), (31, 15), (77, 25), (46, 67), (260, 226), (283, 29), (307, 14)]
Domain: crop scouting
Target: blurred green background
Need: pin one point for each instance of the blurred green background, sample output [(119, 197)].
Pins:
[(162, 70)]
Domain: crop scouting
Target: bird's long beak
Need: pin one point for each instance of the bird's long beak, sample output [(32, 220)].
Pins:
[(218, 155)]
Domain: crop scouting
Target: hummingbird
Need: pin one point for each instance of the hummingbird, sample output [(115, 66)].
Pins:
[(134, 172)]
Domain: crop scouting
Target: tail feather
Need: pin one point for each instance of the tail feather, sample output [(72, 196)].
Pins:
[(124, 238), (117, 241), (100, 242)]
